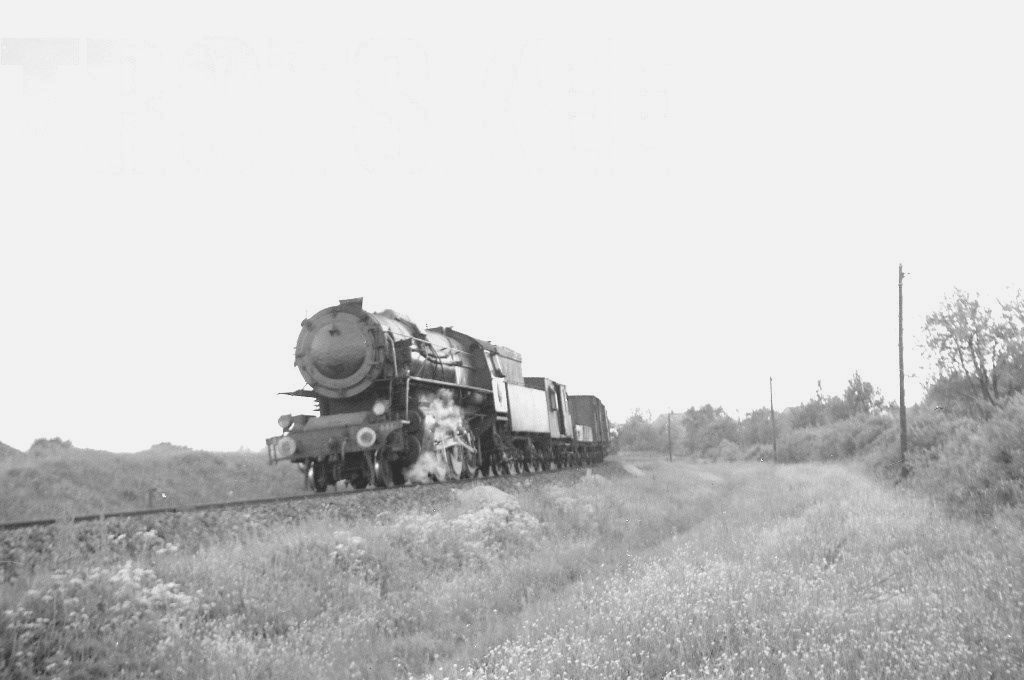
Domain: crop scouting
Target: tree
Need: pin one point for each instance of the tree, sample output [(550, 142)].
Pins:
[(861, 396), (956, 395), (706, 427), (820, 410), (976, 348), (756, 428), (45, 447), (637, 433)]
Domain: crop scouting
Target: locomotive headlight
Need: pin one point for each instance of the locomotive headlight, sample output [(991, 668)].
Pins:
[(380, 407), (286, 447), (285, 421), (366, 437)]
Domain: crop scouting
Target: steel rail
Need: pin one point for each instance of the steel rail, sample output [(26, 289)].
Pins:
[(221, 505)]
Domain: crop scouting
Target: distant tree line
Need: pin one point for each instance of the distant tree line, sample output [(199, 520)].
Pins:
[(977, 356), (707, 428)]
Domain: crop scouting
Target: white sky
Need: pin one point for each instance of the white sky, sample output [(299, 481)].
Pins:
[(661, 206)]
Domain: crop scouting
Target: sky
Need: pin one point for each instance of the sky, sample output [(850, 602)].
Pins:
[(662, 205)]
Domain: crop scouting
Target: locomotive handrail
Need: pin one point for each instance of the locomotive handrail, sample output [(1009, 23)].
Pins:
[(449, 385), (408, 380)]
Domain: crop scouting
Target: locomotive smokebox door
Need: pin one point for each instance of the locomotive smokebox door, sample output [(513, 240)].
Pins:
[(339, 351)]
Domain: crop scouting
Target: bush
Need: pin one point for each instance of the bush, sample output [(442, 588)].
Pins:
[(638, 433), (49, 447), (93, 622), (975, 467), (839, 440), (727, 450)]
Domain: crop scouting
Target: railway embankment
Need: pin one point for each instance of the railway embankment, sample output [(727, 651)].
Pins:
[(56, 479), (113, 539), (686, 570)]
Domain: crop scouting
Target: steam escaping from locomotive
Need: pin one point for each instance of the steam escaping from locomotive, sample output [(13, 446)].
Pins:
[(444, 427), (443, 422)]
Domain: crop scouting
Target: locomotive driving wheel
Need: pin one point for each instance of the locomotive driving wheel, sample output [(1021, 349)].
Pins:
[(520, 460), (361, 477), (495, 461), (530, 457), (383, 474), (540, 458), (320, 475), (472, 458), (454, 457), (398, 449), (472, 467), (499, 466)]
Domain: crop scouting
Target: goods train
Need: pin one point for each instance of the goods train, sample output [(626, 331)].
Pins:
[(395, 403)]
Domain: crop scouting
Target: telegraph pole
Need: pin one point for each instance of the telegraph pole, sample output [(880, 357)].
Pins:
[(903, 404), (771, 404), (670, 435)]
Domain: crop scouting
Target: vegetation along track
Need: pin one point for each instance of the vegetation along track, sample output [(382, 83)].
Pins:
[(26, 545)]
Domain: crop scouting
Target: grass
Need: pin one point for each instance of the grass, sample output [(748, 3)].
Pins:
[(681, 570), (67, 481), (806, 572)]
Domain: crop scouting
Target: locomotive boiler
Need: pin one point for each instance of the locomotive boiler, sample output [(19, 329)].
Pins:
[(394, 402)]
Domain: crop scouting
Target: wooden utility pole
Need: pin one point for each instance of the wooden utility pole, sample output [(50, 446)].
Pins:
[(771, 405), (903, 402), (670, 435)]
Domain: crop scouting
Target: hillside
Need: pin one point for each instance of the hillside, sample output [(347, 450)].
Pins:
[(57, 479), (6, 450)]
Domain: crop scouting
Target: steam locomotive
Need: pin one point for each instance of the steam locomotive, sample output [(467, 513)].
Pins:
[(395, 402)]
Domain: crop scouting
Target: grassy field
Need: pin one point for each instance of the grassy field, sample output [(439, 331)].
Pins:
[(682, 570), (66, 481)]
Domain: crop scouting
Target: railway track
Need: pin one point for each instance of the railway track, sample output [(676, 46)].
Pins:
[(223, 505)]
